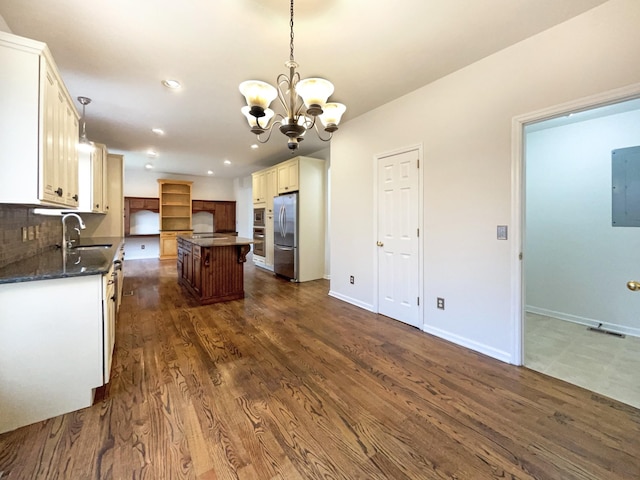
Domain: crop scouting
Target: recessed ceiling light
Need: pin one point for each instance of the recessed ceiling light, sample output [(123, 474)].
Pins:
[(209, 172), (158, 131), (148, 166), (172, 84), (227, 162), (152, 153), (254, 146)]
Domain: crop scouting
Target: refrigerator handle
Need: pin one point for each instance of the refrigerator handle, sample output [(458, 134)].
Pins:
[(282, 231)]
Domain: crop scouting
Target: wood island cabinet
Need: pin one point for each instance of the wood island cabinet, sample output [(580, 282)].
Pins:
[(214, 271)]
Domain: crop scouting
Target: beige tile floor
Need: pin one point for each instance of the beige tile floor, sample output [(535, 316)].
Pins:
[(601, 363)]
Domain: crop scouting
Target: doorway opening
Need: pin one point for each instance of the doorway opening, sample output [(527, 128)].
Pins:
[(576, 260)]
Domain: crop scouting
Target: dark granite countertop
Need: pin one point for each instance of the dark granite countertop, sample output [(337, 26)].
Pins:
[(56, 263), (216, 240)]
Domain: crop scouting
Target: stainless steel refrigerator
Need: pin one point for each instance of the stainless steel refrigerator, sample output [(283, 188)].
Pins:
[(285, 236)]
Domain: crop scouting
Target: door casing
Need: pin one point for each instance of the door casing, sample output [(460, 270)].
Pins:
[(518, 193)]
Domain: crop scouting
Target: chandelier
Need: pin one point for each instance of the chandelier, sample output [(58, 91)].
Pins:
[(304, 101)]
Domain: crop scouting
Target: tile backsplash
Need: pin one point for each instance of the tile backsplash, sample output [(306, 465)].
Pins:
[(12, 219)]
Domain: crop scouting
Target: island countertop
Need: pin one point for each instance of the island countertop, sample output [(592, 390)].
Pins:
[(216, 240)]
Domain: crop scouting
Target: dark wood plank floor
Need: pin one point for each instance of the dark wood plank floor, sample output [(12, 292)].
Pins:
[(290, 383)]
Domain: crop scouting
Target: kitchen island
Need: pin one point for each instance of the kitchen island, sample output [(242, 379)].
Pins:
[(211, 266)]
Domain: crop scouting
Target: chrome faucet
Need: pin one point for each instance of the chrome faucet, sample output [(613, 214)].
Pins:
[(65, 242)]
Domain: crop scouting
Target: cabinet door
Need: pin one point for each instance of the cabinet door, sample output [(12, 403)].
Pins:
[(136, 203), (196, 279), (70, 154), (168, 245), (98, 175), (258, 185), (268, 241), (288, 176), (271, 189), (225, 216), (152, 204), (50, 149)]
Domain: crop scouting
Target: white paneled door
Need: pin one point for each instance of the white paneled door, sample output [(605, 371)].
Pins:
[(398, 223)]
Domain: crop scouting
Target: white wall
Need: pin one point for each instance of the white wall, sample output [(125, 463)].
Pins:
[(463, 122), (3, 25), (136, 248), (144, 183), (577, 265)]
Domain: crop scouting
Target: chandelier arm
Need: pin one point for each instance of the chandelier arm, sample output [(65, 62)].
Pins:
[(318, 132), (269, 130)]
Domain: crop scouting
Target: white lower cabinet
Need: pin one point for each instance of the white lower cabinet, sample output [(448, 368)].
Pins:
[(52, 353)]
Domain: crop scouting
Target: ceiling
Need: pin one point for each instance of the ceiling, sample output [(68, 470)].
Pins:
[(117, 52)]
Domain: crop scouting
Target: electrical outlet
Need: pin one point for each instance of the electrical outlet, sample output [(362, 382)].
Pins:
[(37, 227), (25, 234), (352, 280), (31, 232), (440, 303), (142, 247)]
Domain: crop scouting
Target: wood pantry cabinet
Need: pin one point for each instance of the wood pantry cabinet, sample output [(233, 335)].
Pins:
[(136, 204), (175, 215), (223, 211), (39, 159)]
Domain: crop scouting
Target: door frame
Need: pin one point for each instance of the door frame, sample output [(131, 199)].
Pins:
[(376, 158), (518, 193)]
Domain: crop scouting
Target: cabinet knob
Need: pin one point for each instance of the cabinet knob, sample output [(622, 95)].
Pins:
[(75, 197), (58, 192)]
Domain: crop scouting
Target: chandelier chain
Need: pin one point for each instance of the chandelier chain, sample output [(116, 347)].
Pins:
[(291, 25)]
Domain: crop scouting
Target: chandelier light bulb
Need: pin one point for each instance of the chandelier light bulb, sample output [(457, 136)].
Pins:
[(332, 113), (258, 94), (314, 93)]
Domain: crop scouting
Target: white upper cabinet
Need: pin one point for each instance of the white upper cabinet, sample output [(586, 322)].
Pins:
[(92, 178), (38, 128), (288, 173), (259, 186)]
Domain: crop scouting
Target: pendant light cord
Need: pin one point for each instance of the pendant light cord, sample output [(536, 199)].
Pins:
[(291, 24)]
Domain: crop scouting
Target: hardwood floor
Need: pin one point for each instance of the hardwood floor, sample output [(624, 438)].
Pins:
[(290, 383)]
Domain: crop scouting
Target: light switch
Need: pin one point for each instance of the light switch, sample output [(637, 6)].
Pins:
[(502, 232)]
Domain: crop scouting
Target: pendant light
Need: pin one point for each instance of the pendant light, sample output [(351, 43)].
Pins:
[(84, 144)]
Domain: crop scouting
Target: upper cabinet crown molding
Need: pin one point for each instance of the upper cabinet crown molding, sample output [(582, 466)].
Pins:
[(39, 160)]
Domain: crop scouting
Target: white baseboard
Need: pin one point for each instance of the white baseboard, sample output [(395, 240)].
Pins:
[(589, 322), (470, 344), (352, 301)]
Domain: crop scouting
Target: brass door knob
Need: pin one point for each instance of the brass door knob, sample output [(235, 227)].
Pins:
[(633, 285), (380, 244)]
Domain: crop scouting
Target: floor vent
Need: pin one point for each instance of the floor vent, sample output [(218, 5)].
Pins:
[(606, 332), (128, 294)]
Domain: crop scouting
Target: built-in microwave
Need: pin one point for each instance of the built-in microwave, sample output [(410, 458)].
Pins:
[(258, 217)]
